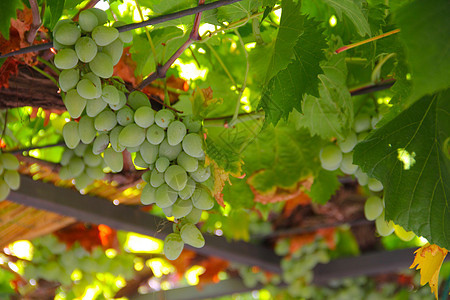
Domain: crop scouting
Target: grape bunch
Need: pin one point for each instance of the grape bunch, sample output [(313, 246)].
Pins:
[(82, 165), (9, 177)]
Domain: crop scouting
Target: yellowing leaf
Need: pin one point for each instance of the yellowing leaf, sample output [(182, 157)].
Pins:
[(203, 102), (428, 260)]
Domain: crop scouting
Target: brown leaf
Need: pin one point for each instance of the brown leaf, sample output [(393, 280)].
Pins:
[(213, 266), (125, 68)]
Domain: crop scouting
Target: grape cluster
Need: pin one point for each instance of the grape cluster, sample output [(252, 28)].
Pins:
[(9, 177)]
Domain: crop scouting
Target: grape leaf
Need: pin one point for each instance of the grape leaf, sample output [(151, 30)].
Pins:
[(331, 115), (285, 90), (7, 12), (353, 12), (425, 28), (56, 8), (237, 11), (324, 186), (408, 156)]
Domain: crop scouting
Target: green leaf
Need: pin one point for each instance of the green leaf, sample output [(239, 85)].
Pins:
[(409, 156), (56, 8), (7, 12), (425, 29), (237, 11), (353, 12), (331, 115), (285, 90), (324, 186)]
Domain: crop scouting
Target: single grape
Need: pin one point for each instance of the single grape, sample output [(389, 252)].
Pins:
[(173, 245), (67, 33), (403, 234), (96, 173), (155, 134), (58, 25), (9, 161), (12, 179), (80, 150), (113, 159), (202, 199), (96, 81), (126, 36), (91, 159), (114, 139), (192, 145), (105, 121), (86, 49), (101, 15), (122, 101), (65, 157), (87, 20), (362, 122), (82, 181), (137, 99), (175, 176), (347, 165), (189, 163), (86, 129), (132, 135), (165, 196), (87, 89), (349, 143), (66, 59), (175, 133), (194, 216), (144, 116), (103, 35), (181, 208), (76, 166), (139, 161), (192, 236), (149, 152), (188, 190), (375, 185), (71, 135), (362, 177), (102, 65), (167, 211), (146, 176), (156, 178), (162, 164), (373, 208), (192, 125), (164, 117), (384, 228), (148, 195), (125, 116), (330, 157), (171, 152), (201, 174), (95, 106), (133, 149), (68, 79), (64, 173), (110, 94), (114, 50), (4, 190), (100, 143)]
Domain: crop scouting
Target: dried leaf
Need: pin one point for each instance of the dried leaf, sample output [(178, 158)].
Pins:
[(213, 266), (125, 68), (221, 177), (89, 237), (278, 194), (9, 67)]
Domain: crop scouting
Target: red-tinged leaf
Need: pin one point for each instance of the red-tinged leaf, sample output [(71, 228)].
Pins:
[(89, 237), (291, 204), (278, 194), (108, 237), (9, 67), (221, 177), (213, 266), (184, 261), (329, 235), (125, 68), (172, 82), (299, 241)]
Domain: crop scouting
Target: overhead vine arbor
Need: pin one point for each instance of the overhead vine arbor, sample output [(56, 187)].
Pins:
[(296, 149)]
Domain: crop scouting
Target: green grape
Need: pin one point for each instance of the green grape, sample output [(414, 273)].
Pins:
[(164, 117), (105, 121), (192, 145), (58, 46), (87, 20), (189, 163), (68, 79), (375, 185), (101, 15), (146, 176), (100, 143), (165, 196), (362, 177), (91, 159), (181, 208), (193, 126), (162, 164), (102, 65), (71, 135), (96, 173), (125, 116), (58, 24), (384, 228), (373, 208), (9, 161), (110, 94), (74, 103), (194, 216), (173, 245), (148, 195), (114, 139), (155, 134), (80, 149), (139, 161), (122, 101), (175, 176), (95, 106), (67, 33), (66, 156), (133, 149), (4, 190), (103, 35), (132, 135), (137, 99), (86, 129), (86, 49), (330, 157), (96, 81), (349, 143), (170, 152), (66, 59), (347, 165), (76, 166), (144, 116), (175, 133), (403, 234), (361, 123), (114, 50), (192, 236), (64, 173), (12, 179), (87, 89), (188, 190), (82, 181), (202, 199), (149, 152), (201, 174), (113, 159), (156, 178), (126, 36)]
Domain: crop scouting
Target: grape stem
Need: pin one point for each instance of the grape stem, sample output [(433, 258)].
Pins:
[(151, 21), (18, 151), (225, 121), (345, 48), (36, 24)]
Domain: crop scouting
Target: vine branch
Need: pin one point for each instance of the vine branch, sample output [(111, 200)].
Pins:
[(36, 24)]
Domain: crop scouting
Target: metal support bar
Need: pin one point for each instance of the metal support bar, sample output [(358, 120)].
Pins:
[(101, 211)]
